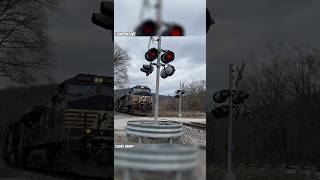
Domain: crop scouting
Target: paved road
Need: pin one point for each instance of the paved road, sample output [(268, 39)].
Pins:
[(120, 120)]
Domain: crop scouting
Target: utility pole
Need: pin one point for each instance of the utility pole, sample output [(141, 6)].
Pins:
[(230, 175), (180, 102)]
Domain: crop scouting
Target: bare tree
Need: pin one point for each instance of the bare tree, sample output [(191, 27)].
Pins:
[(24, 44), (194, 99), (195, 96), (286, 105), (121, 63)]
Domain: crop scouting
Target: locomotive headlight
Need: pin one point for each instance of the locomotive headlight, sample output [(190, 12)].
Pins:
[(88, 131), (98, 80)]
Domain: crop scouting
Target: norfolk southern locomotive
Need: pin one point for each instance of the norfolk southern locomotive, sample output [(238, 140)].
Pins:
[(73, 133), (138, 101)]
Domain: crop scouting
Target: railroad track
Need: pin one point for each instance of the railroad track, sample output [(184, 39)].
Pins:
[(196, 125)]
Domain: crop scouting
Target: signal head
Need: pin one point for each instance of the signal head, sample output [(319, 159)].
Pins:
[(170, 70), (147, 68), (167, 71), (209, 20), (174, 30), (221, 111), (151, 54), (147, 28), (221, 96), (167, 57), (239, 97), (163, 74)]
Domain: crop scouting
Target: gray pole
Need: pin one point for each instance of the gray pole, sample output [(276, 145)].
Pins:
[(156, 110), (180, 99), (229, 163)]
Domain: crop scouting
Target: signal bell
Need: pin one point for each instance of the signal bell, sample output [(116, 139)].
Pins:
[(151, 54), (167, 57), (147, 68)]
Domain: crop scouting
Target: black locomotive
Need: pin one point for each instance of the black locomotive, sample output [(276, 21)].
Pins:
[(138, 101), (73, 133)]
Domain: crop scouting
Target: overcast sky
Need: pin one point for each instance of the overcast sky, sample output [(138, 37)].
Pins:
[(188, 13), (80, 46), (242, 28), (190, 61), (245, 27)]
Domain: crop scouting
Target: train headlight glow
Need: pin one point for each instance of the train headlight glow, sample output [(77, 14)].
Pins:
[(88, 131), (98, 80)]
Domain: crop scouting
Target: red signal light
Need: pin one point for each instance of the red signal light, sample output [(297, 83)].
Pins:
[(167, 57), (151, 54), (147, 28), (174, 30)]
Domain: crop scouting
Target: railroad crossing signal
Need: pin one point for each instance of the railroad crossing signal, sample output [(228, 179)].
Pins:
[(221, 96), (174, 30), (209, 20), (147, 28), (179, 93), (147, 68), (167, 71), (151, 28), (152, 54), (166, 57), (106, 17), (238, 97), (221, 111)]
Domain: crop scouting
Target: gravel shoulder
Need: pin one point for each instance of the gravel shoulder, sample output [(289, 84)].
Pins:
[(190, 136)]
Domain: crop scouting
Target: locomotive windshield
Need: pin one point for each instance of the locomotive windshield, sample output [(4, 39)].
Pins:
[(85, 89), (77, 89), (141, 90)]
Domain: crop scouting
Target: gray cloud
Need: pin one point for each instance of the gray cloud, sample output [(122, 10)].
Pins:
[(80, 46)]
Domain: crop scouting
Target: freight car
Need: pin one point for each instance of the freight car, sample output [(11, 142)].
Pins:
[(138, 101), (73, 133)]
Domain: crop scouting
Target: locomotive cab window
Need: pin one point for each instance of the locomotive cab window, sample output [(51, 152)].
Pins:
[(79, 89)]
